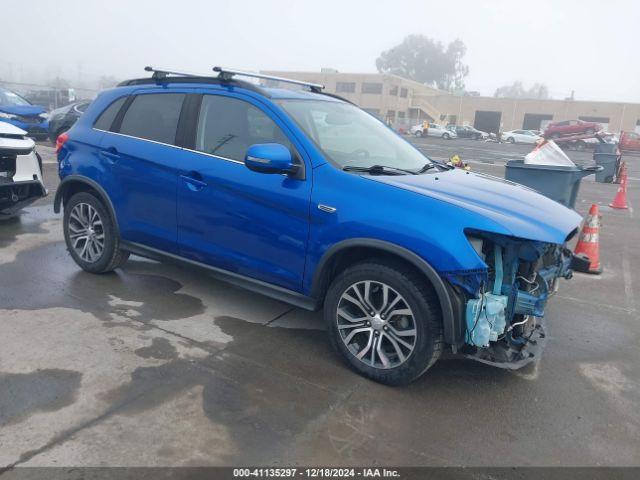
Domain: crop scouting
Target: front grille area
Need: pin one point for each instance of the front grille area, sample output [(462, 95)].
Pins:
[(30, 120)]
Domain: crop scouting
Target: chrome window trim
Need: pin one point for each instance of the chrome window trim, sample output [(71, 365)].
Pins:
[(170, 145)]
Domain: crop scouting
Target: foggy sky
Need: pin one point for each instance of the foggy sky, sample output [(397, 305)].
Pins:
[(591, 47)]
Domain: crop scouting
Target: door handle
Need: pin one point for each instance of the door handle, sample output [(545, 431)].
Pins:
[(110, 154), (194, 180)]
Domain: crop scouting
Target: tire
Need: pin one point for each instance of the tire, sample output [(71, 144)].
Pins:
[(416, 297), (84, 209), (446, 136), (418, 133), (511, 140)]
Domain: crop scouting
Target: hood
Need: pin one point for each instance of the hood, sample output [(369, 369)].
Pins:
[(23, 110), (519, 210), (13, 142)]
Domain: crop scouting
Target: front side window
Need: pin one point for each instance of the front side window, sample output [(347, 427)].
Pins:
[(227, 127), (153, 117), (106, 118), (346, 135)]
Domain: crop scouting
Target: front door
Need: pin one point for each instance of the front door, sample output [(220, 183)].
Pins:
[(249, 223)]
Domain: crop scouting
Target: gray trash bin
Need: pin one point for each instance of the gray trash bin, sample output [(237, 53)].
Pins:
[(606, 155), (560, 183)]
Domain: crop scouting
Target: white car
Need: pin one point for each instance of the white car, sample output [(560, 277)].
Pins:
[(20, 171), (435, 130), (520, 136)]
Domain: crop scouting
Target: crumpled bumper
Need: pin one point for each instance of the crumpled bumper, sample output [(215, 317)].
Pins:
[(17, 195)]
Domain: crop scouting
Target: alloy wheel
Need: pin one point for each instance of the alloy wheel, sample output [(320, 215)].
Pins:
[(86, 232), (376, 324)]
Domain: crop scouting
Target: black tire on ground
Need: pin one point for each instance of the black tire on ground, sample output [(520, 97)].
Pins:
[(511, 140), (418, 133), (112, 256), (421, 299), (446, 136)]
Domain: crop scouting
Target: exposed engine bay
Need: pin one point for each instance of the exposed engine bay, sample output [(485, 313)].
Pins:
[(506, 303)]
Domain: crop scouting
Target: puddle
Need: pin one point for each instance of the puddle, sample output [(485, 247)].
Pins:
[(23, 394)]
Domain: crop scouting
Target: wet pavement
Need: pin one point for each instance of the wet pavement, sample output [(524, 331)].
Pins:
[(158, 365)]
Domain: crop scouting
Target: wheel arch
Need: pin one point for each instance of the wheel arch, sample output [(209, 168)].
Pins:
[(73, 184), (357, 249)]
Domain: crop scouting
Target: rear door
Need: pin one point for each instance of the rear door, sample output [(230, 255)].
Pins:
[(143, 159), (230, 217)]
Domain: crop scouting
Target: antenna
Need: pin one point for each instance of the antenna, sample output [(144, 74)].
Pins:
[(226, 74)]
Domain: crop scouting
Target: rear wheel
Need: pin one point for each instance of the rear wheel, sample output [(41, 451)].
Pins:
[(418, 133), (90, 234), (384, 320), (511, 140)]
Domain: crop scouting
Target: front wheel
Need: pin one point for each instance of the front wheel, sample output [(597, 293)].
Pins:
[(90, 234), (385, 322), (511, 140), (418, 133), (446, 136)]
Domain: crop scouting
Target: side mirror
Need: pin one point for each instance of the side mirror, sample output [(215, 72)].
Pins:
[(270, 158)]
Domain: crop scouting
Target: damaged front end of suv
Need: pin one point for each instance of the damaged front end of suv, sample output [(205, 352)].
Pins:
[(504, 304)]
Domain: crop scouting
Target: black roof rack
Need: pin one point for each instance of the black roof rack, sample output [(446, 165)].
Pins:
[(228, 74), (224, 77), (165, 76)]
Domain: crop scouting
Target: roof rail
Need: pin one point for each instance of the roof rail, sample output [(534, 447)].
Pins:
[(226, 74)]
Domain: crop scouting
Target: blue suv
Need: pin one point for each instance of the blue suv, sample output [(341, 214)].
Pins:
[(302, 196)]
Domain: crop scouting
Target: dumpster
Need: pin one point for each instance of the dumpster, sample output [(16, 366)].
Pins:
[(558, 182), (608, 157)]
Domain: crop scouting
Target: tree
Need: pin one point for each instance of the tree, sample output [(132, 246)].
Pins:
[(517, 90), (425, 60)]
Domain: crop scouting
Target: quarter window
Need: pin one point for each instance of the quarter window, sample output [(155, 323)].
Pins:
[(227, 127), (153, 117), (106, 118)]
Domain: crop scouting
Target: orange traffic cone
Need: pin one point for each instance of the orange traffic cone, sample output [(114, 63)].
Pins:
[(589, 241), (620, 200)]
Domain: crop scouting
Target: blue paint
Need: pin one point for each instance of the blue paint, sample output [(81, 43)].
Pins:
[(269, 227)]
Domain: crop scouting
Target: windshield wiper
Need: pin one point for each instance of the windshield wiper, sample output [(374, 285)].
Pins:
[(378, 170)]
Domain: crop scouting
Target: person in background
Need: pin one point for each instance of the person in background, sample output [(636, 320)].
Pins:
[(425, 128)]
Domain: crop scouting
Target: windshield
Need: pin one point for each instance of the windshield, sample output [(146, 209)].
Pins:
[(10, 98), (347, 135)]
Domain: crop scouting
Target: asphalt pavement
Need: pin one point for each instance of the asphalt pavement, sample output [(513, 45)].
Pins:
[(160, 365)]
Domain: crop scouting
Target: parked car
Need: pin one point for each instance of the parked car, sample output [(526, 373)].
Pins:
[(629, 141), (62, 119), (19, 112), (20, 171), (520, 136), (467, 131), (571, 127), (305, 197), (434, 130)]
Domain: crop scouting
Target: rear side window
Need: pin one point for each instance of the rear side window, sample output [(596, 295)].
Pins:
[(153, 117), (228, 127), (106, 118)]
